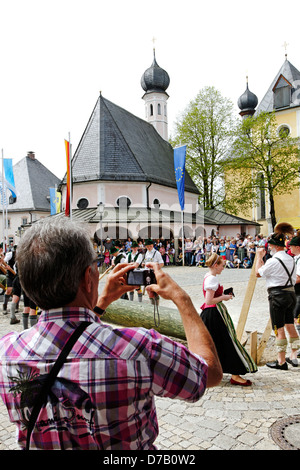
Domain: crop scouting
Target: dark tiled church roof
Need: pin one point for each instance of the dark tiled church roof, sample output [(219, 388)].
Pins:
[(118, 146), (32, 182), (290, 73)]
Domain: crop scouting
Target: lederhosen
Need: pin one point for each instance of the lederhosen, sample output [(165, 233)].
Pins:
[(149, 260), (297, 306), (130, 259), (282, 301), (9, 275), (17, 290), (119, 257), (117, 260)]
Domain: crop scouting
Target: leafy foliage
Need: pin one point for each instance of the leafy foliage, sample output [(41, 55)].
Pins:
[(207, 128)]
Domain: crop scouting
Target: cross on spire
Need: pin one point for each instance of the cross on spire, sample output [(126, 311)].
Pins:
[(285, 45), (154, 40)]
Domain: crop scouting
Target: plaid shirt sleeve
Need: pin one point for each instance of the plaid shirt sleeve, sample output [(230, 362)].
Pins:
[(176, 372)]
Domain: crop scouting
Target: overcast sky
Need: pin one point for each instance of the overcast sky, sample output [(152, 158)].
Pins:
[(56, 56)]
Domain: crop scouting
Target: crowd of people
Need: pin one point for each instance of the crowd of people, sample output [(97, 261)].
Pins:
[(238, 251), (114, 251)]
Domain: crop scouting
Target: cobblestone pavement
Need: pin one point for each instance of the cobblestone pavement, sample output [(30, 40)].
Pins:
[(227, 417)]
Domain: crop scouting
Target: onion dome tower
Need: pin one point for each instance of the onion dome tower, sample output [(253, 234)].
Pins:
[(155, 82), (247, 103)]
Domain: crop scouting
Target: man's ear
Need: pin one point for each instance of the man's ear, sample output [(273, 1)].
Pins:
[(87, 279)]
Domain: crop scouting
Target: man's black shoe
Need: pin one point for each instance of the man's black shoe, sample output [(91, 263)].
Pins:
[(276, 365), (293, 362)]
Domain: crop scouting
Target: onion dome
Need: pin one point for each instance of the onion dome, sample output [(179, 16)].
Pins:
[(155, 78), (247, 102)]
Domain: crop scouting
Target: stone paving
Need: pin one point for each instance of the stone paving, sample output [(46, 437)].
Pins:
[(227, 417)]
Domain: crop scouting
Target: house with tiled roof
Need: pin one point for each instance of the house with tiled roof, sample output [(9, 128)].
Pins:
[(32, 202)]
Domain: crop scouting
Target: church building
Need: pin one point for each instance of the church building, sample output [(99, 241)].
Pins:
[(127, 164), (282, 97)]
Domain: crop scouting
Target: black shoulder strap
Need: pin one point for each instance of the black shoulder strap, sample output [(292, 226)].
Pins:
[(51, 378), (286, 269)]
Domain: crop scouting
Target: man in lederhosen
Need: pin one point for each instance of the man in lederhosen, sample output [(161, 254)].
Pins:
[(280, 274), (9, 263), (151, 256), (295, 249)]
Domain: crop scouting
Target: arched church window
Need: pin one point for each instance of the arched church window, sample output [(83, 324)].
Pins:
[(123, 202), (151, 109), (159, 109), (156, 203)]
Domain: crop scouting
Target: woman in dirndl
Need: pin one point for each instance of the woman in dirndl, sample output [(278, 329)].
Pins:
[(233, 357)]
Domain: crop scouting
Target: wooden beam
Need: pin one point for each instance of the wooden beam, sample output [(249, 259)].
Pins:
[(246, 304), (264, 339), (253, 346)]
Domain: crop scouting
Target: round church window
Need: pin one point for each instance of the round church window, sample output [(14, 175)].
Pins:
[(82, 203), (283, 131)]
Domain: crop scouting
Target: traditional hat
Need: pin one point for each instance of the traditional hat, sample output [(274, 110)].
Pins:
[(278, 238), (134, 244), (113, 250), (149, 241), (296, 240)]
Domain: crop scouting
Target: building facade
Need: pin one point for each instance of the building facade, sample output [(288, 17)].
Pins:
[(283, 98)]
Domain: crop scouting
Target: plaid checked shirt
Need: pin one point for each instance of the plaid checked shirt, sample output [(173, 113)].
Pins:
[(103, 397)]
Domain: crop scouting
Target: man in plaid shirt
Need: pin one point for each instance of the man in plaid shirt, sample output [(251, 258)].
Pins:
[(103, 397)]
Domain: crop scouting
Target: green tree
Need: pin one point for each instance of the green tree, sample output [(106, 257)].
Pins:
[(263, 159), (207, 128)]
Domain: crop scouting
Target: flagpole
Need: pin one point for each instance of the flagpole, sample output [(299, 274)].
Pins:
[(68, 208), (179, 166), (70, 167), (182, 238), (3, 206)]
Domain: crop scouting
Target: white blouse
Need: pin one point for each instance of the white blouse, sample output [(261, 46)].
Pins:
[(211, 282)]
